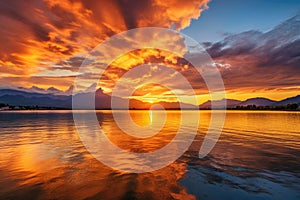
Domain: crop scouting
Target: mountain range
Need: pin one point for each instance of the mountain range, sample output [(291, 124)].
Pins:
[(53, 97), (258, 101)]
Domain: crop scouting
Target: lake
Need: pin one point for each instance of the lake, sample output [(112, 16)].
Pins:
[(256, 157)]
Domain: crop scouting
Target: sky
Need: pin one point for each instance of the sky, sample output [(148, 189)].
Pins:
[(237, 16), (254, 44)]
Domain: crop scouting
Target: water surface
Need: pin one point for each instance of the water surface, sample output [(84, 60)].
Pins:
[(256, 157)]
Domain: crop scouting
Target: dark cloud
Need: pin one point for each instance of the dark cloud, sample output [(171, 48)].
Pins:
[(19, 11), (261, 59)]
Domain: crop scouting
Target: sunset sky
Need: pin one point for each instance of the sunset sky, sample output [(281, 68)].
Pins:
[(255, 44)]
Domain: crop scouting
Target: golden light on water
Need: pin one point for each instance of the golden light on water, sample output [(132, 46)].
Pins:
[(47, 152), (150, 116)]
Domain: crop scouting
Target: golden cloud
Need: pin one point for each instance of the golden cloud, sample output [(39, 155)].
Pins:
[(39, 34)]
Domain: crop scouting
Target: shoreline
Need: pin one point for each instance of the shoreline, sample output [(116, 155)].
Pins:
[(67, 109)]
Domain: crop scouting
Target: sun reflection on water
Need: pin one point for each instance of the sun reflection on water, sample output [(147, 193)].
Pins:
[(43, 157)]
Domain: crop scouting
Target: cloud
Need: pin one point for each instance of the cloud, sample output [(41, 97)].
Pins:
[(251, 63), (50, 38), (36, 35), (57, 73), (260, 60)]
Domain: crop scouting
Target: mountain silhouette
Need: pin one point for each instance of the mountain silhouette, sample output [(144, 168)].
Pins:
[(103, 101)]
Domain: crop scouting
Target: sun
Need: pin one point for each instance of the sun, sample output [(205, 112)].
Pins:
[(149, 100)]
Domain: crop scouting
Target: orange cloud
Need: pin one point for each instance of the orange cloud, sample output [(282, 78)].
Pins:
[(144, 56), (38, 35)]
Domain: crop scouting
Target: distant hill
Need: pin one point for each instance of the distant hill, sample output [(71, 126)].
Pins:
[(230, 103), (290, 100), (15, 98), (50, 90), (258, 102), (103, 101)]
